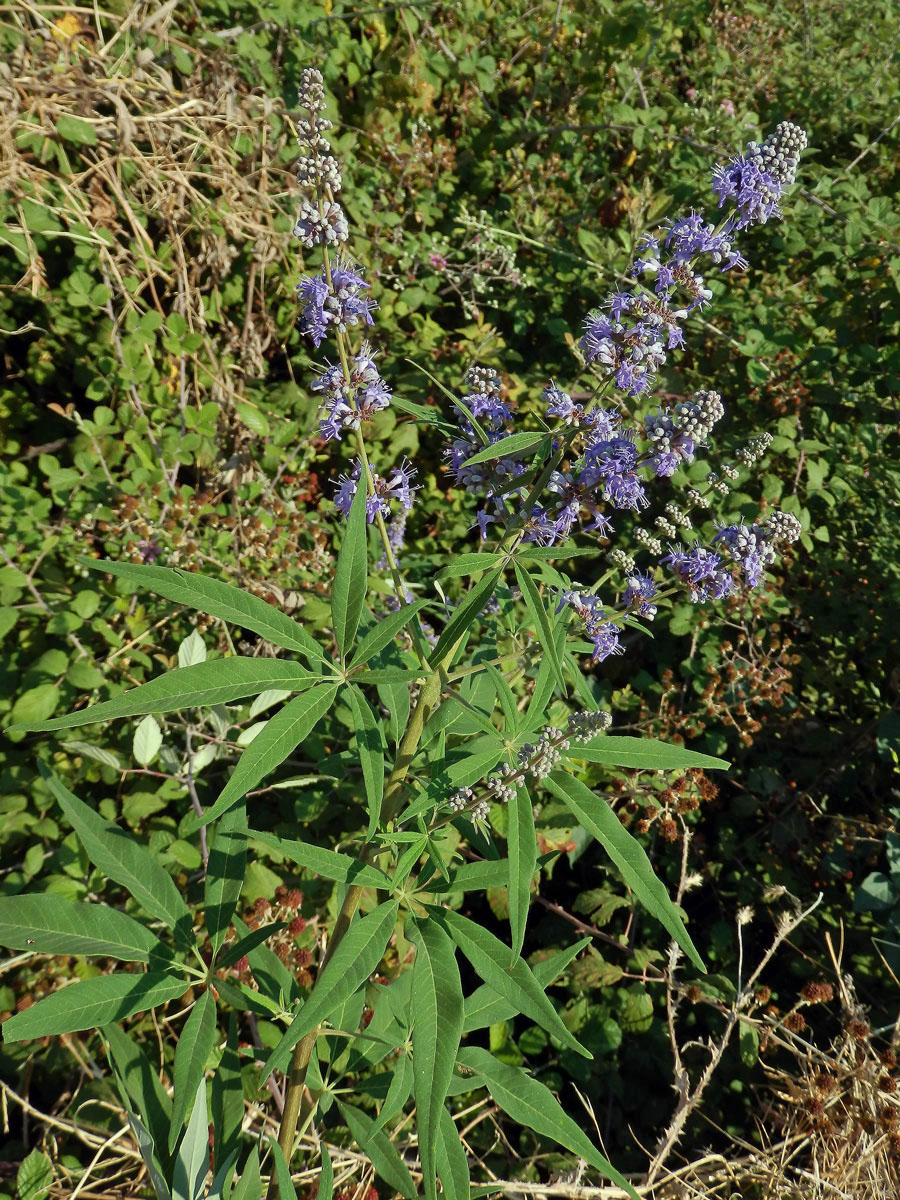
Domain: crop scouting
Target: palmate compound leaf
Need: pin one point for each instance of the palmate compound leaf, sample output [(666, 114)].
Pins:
[(117, 855), (280, 736), (436, 1031), (93, 1002), (208, 683), (514, 981), (531, 1104), (49, 924), (218, 599), (628, 855), (354, 960)]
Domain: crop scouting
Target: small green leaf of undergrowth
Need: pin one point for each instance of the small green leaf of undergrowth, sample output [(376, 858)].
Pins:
[(452, 1160), (117, 855), (357, 956), (49, 924), (513, 444), (225, 873), (329, 864), (384, 631), (535, 606), (351, 574), (385, 1159), (486, 1007), (522, 841), (437, 1028), (216, 682), (34, 1177), (218, 599), (279, 737), (529, 1103), (627, 854), (515, 981), (191, 1052), (371, 749), (465, 615), (91, 1003), (642, 754)]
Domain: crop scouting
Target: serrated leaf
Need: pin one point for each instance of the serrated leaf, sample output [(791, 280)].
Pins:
[(218, 599), (192, 650), (351, 574), (370, 747), (225, 873), (282, 735), (522, 842), (34, 1177), (216, 682), (147, 741), (191, 1052), (436, 1032), (513, 981), (384, 631), (535, 606), (91, 1003), (642, 754), (49, 924), (385, 1159), (329, 864), (96, 753), (117, 855), (531, 1104), (627, 854), (354, 960)]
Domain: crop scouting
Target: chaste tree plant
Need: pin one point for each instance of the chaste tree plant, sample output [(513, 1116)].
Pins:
[(449, 683)]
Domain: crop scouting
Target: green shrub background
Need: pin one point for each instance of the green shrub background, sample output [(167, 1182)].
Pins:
[(154, 401)]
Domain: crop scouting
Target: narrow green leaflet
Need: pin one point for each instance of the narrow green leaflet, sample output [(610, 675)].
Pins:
[(351, 574), (455, 401), (328, 863), (218, 599), (531, 1104), (398, 1093), (371, 748), (473, 877), (216, 682), (486, 1007), (225, 873), (514, 981), (627, 854), (436, 1031), (325, 1189), (385, 1159), (535, 606), (93, 1002), (522, 842), (515, 443), (48, 924), (643, 753), (226, 1098), (143, 1091), (507, 701), (249, 1186), (148, 1153), (191, 1052), (551, 553), (357, 956), (384, 631), (465, 615), (192, 1161), (468, 564), (536, 713), (279, 738), (389, 675), (117, 855), (452, 1163)]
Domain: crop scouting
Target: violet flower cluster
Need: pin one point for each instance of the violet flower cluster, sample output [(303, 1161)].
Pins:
[(352, 392)]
